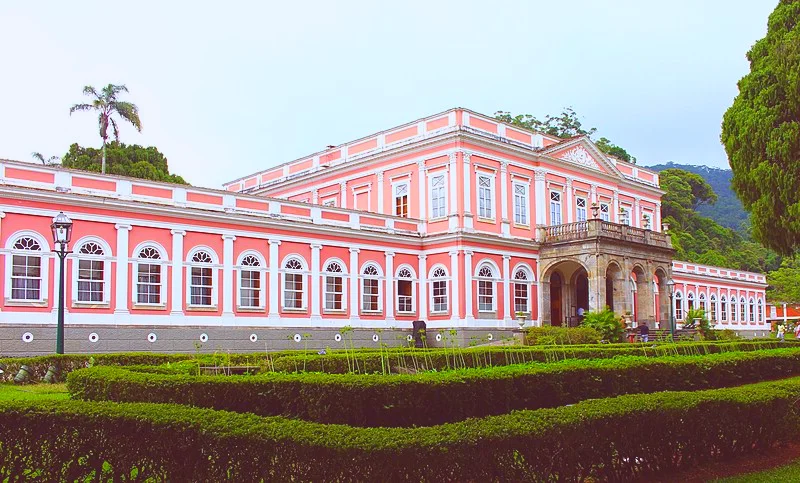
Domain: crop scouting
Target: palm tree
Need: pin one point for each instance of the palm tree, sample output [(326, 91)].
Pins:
[(47, 162), (106, 104)]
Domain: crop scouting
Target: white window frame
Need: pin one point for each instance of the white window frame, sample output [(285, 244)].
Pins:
[(44, 265), (760, 310), (106, 258), (482, 213), (528, 282), (625, 214), (162, 262), (413, 280), (395, 196), (492, 284), (712, 302), (345, 282), (262, 270), (690, 298), (581, 212), (723, 306), (752, 314), (605, 215), (743, 309), (304, 274), (431, 177), (521, 218), (678, 300), (214, 266), (734, 301), (556, 210), (379, 278), (701, 302), (447, 288), (360, 190), (647, 215)]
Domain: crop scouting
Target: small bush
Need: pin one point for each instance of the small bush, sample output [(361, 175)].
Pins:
[(606, 323), (553, 335)]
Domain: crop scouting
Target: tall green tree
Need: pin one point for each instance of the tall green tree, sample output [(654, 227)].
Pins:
[(125, 160), (564, 125), (107, 105), (761, 132)]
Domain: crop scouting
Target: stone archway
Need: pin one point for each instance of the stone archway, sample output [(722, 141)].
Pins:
[(661, 300), (615, 284), (642, 296), (565, 289)]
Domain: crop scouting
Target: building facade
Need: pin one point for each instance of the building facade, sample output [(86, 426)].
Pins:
[(455, 219)]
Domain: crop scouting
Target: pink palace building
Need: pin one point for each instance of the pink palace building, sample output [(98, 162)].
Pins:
[(455, 219)]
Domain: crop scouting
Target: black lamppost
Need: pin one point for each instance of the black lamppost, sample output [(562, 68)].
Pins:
[(670, 286), (62, 233)]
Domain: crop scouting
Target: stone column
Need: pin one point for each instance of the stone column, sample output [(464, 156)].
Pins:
[(539, 191), (469, 307), (505, 224), (121, 297), (570, 205), (227, 275), (381, 202), (509, 303), (454, 287), (468, 220), (389, 302), (274, 289), (422, 291), (354, 305), (177, 273), (315, 281), (453, 192)]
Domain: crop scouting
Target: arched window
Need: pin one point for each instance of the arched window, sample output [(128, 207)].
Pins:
[(752, 310), (27, 270), (405, 291), (486, 295), (702, 301), (713, 307), (439, 299), (723, 305), (91, 273), (678, 306), (521, 291), (734, 308), (334, 287), (760, 310), (149, 278), (201, 279), (293, 293), (743, 310), (251, 281), (690, 301), (370, 289)]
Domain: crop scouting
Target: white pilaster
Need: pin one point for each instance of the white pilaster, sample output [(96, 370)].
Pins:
[(569, 201), (274, 290), (468, 224), (121, 292), (177, 272), (315, 196), (227, 275), (315, 287), (539, 191), (637, 213), (381, 206), (593, 193), (452, 183), (454, 287), (389, 300), (422, 192), (509, 299), (422, 291), (354, 305), (343, 194), (505, 225), (615, 208), (657, 218), (468, 285)]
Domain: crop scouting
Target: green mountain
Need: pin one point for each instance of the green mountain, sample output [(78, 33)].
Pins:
[(728, 210)]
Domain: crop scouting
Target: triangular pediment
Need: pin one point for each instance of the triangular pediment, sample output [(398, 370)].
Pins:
[(582, 152)]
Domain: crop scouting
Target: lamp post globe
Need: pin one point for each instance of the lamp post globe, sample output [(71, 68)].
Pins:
[(62, 234)]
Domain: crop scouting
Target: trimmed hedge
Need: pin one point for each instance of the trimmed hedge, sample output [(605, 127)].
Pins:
[(619, 439), (553, 334), (416, 360), (433, 398)]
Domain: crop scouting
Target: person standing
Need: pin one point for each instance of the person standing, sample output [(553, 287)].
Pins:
[(644, 332), (781, 332)]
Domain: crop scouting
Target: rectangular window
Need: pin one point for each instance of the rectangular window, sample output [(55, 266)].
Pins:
[(485, 296), (438, 196), (485, 197), (329, 202), (201, 286), (26, 277), (90, 281), (334, 293), (723, 310), (439, 291), (405, 296), (555, 208), (293, 291), (625, 215), (250, 294), (369, 295), (605, 212), (580, 209), (401, 200), (148, 286), (647, 221), (520, 204), (520, 297)]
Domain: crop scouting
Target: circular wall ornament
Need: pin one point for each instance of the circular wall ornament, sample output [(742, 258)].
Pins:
[(337, 337), (298, 338), (152, 337), (253, 337), (438, 337), (93, 337), (490, 337), (409, 337), (203, 337), (27, 337), (375, 337)]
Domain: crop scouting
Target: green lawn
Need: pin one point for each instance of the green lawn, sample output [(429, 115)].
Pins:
[(788, 473), (10, 391)]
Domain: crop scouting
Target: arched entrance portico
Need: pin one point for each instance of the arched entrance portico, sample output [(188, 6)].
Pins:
[(565, 290)]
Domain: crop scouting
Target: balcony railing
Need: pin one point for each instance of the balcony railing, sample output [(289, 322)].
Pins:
[(590, 229)]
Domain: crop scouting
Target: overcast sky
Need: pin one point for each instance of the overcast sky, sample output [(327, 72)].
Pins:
[(229, 88)]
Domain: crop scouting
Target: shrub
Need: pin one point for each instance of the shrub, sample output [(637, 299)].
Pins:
[(554, 335), (697, 320), (606, 323), (433, 398), (625, 438)]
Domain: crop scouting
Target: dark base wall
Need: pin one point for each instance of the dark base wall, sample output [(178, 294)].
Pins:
[(119, 338)]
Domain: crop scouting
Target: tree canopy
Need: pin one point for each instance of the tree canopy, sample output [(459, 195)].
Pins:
[(761, 132), (125, 160), (564, 125)]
